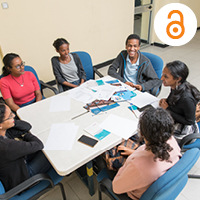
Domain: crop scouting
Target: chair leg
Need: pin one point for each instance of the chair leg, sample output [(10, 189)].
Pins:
[(62, 190), (99, 194), (193, 176)]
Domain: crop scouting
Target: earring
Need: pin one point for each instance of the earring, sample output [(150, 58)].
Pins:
[(176, 85)]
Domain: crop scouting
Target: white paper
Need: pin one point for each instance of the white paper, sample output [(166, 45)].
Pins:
[(59, 103), (120, 126), (82, 94), (104, 91), (143, 99), (61, 136)]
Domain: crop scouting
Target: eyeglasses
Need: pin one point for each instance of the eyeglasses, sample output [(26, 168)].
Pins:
[(19, 66), (12, 115)]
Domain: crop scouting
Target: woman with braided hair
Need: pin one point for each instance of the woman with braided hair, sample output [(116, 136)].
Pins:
[(152, 159)]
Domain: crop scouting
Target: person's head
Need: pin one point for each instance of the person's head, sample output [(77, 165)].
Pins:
[(174, 74), (132, 45), (12, 65), (156, 126), (62, 47), (6, 117)]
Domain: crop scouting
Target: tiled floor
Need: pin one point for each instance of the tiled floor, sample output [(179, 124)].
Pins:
[(188, 53)]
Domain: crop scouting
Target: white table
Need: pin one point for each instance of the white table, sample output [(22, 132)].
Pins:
[(67, 161)]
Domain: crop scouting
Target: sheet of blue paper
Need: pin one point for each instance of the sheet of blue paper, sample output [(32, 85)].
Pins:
[(125, 95), (112, 81), (95, 110), (100, 82), (108, 107), (102, 134)]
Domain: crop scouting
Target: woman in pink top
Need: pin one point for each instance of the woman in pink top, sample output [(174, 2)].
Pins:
[(18, 87), (151, 160)]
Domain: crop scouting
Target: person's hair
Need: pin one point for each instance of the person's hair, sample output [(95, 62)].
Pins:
[(58, 42), (133, 36), (7, 61), (2, 111), (179, 69), (156, 126)]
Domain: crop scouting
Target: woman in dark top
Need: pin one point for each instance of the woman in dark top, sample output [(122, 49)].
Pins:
[(19, 159), (182, 100), (67, 68)]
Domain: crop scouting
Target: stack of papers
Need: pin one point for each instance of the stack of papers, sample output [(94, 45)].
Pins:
[(96, 131)]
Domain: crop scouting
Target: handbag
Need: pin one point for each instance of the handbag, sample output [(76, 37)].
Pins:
[(181, 130), (114, 159)]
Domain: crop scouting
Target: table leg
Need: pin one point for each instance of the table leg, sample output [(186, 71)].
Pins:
[(90, 177)]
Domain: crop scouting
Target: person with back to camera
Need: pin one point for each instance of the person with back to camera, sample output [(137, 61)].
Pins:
[(133, 68), (182, 100), (152, 159), (19, 159), (67, 68), (18, 87)]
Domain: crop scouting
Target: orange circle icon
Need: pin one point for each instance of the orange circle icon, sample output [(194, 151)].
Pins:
[(179, 23)]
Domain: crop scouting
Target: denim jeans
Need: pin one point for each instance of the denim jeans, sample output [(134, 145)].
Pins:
[(76, 82), (37, 163)]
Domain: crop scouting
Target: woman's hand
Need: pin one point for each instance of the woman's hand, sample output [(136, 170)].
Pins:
[(163, 104), (82, 81), (126, 151)]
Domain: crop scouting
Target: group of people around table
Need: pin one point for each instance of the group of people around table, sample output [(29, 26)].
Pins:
[(160, 150)]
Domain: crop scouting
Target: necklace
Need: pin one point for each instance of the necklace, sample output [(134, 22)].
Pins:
[(18, 82)]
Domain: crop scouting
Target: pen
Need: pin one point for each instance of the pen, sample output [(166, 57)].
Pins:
[(79, 115), (133, 112)]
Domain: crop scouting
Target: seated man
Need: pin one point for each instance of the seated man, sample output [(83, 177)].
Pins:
[(133, 68)]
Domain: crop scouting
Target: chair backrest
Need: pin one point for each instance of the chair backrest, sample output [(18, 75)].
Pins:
[(30, 69), (156, 61), (169, 185), (87, 64)]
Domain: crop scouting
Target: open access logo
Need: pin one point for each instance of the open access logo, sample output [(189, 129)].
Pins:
[(175, 24)]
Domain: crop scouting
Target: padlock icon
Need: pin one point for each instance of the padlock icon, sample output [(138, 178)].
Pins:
[(175, 29)]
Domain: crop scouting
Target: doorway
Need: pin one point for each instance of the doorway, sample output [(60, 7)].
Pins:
[(142, 19)]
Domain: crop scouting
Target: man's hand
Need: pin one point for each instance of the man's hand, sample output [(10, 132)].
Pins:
[(138, 87), (129, 83)]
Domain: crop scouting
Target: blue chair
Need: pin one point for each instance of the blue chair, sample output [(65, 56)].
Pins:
[(41, 83), (33, 187), (168, 186), (87, 65), (157, 64)]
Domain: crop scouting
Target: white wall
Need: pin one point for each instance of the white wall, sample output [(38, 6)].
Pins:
[(29, 28)]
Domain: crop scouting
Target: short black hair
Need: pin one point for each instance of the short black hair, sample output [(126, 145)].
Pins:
[(133, 36), (58, 42), (7, 61)]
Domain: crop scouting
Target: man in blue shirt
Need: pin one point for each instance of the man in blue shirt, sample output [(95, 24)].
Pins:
[(133, 68)]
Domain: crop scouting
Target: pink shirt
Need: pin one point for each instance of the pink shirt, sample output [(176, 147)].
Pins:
[(140, 170), (10, 87)]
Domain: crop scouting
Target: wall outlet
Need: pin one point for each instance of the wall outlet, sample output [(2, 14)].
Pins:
[(4, 5)]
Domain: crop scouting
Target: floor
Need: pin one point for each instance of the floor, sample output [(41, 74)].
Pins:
[(188, 53)]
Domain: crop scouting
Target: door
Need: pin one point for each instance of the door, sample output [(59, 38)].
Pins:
[(142, 19)]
